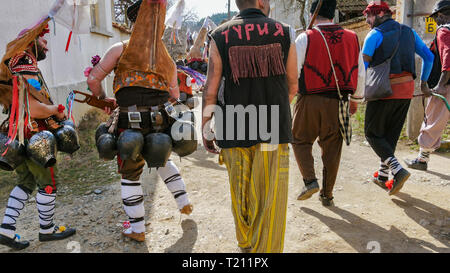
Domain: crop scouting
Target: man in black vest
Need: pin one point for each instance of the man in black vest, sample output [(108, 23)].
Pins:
[(437, 114), (256, 57)]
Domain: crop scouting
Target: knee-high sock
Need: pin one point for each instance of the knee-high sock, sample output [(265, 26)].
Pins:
[(174, 182), (383, 172), (133, 204), (46, 208), (16, 203), (393, 164), (424, 154)]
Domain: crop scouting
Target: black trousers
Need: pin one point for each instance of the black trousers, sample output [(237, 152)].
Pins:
[(383, 125)]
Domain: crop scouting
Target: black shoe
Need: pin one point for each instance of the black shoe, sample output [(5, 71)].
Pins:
[(416, 164), (57, 234), (326, 201), (399, 179), (380, 182), (310, 188), (13, 243)]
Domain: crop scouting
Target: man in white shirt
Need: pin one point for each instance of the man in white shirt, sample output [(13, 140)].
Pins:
[(316, 113)]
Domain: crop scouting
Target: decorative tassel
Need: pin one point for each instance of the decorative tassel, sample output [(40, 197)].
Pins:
[(68, 41), (21, 117), (69, 105), (14, 112), (256, 61)]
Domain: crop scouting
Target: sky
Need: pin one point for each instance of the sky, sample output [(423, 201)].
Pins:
[(208, 7)]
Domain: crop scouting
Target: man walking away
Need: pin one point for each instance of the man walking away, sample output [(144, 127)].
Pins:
[(385, 117)]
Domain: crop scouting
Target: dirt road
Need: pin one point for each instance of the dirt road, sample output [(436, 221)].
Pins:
[(365, 218)]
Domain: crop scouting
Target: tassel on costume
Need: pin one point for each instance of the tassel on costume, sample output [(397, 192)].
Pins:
[(256, 61)]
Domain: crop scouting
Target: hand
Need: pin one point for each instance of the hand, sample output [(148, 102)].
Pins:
[(353, 107), (60, 116), (210, 146), (425, 89), (441, 90), (108, 110)]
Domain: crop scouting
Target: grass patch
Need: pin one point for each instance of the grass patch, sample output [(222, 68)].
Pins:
[(358, 129), (81, 172)]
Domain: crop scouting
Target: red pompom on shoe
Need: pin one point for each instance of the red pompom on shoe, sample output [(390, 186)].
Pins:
[(389, 184), (61, 108), (375, 174), (48, 190)]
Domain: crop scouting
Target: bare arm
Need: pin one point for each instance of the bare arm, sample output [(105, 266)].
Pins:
[(102, 69), (211, 90), (173, 84), (442, 87), (42, 111), (292, 72)]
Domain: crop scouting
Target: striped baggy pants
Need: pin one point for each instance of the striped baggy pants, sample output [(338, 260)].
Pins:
[(259, 177)]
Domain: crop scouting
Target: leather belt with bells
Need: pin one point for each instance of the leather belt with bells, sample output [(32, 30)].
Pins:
[(156, 118), (134, 117)]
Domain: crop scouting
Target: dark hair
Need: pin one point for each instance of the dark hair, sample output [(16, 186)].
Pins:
[(242, 4), (446, 11), (327, 10)]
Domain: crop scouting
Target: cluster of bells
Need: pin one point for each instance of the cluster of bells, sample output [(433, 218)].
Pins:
[(41, 148), (155, 148)]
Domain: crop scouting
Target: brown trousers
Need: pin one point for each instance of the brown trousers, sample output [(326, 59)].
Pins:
[(315, 117)]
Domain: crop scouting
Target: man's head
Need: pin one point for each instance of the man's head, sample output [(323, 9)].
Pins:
[(441, 12), (263, 5), (327, 11), (40, 48), (377, 12)]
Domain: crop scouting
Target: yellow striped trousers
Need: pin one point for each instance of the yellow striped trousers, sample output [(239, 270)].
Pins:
[(259, 177)]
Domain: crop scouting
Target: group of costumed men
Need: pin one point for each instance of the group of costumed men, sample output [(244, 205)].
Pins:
[(265, 65), (253, 60), (146, 87)]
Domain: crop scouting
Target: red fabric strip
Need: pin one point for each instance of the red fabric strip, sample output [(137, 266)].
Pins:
[(68, 41)]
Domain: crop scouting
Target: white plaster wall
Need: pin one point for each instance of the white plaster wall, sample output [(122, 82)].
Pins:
[(282, 11)]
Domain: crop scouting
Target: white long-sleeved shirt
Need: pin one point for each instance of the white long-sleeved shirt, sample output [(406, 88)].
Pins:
[(301, 44)]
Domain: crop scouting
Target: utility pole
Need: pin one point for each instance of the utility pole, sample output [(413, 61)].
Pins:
[(229, 10)]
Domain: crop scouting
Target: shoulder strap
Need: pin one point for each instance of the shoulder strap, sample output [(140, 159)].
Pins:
[(331, 62)]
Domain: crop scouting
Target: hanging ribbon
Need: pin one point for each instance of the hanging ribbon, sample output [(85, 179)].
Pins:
[(14, 112), (73, 25), (54, 26), (69, 105), (68, 41)]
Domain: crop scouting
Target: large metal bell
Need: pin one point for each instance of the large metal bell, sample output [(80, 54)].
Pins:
[(15, 155), (42, 149), (101, 129), (130, 144), (157, 149), (67, 139), (107, 147)]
